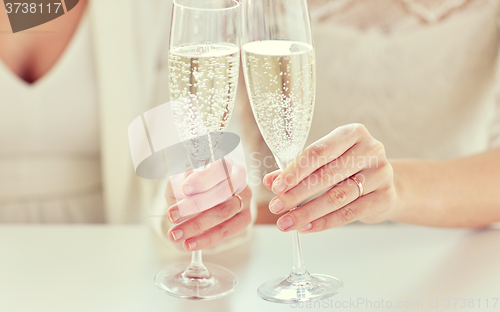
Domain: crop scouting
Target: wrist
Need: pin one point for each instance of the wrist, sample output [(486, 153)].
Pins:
[(400, 172)]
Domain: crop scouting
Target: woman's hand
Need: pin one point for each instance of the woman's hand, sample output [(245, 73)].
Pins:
[(209, 194), (327, 165)]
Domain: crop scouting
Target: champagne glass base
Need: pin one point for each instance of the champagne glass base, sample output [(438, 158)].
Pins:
[(298, 288), (220, 283)]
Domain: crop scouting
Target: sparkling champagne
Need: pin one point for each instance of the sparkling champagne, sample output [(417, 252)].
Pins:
[(203, 80), (281, 83)]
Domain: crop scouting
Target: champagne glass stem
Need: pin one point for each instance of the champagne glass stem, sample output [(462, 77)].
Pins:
[(298, 267), (196, 268), (196, 259), (299, 285)]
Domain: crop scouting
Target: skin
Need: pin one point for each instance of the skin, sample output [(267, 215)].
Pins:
[(33, 53), (222, 218), (453, 193)]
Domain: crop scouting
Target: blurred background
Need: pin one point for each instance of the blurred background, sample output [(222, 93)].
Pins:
[(420, 74)]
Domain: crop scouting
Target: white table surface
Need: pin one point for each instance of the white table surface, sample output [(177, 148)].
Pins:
[(111, 268)]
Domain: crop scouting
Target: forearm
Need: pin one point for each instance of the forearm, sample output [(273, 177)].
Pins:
[(463, 192)]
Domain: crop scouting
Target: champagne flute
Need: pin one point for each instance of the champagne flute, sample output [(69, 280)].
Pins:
[(204, 60), (280, 75)]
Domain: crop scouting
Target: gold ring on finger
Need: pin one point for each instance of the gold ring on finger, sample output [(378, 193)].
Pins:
[(241, 202), (360, 186)]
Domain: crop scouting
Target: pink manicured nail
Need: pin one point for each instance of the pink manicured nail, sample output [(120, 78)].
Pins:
[(174, 215), (278, 185), (307, 227), (192, 245), (285, 222), (177, 234), (275, 205), (187, 190)]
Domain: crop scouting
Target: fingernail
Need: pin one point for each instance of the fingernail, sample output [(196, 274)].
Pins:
[(174, 215), (275, 205), (177, 234), (285, 223), (187, 190), (278, 185), (307, 227), (192, 245)]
